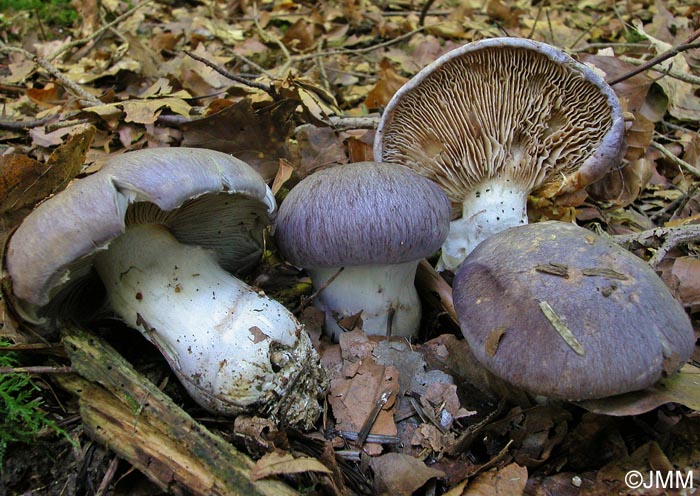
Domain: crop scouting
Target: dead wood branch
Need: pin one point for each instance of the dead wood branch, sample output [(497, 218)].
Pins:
[(123, 410), (663, 239)]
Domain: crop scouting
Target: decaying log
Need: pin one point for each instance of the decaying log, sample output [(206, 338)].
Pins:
[(126, 412)]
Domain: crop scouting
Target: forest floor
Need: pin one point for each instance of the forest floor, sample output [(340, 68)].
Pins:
[(292, 87)]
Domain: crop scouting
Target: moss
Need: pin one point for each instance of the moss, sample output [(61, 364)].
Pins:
[(51, 12)]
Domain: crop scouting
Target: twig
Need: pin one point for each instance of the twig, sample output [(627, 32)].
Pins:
[(682, 47), (76, 88), (39, 369), (371, 418), (596, 46), (108, 477), (537, 18), (97, 33), (681, 76), (9, 125), (322, 68), (424, 12), (310, 298), (233, 77), (270, 37), (665, 238), (341, 122), (679, 161), (357, 51)]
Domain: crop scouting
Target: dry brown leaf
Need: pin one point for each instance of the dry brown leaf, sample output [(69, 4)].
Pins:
[(353, 397), (256, 135), (48, 96), (683, 102), (300, 36), (400, 475), (25, 182), (507, 481), (623, 186), (281, 463), (686, 270), (388, 84), (632, 90), (284, 173), (319, 147), (146, 111), (682, 387)]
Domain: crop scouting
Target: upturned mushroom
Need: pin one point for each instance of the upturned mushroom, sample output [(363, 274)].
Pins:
[(496, 120), (163, 229), (375, 221), (559, 311)]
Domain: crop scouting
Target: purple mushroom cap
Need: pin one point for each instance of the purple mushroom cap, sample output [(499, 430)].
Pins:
[(558, 311)]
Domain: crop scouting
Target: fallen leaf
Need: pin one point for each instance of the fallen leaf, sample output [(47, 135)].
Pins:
[(687, 272), (319, 147), (146, 111), (682, 387), (683, 103), (284, 173), (281, 463), (257, 135), (398, 475), (25, 182), (48, 96), (507, 481), (388, 84)]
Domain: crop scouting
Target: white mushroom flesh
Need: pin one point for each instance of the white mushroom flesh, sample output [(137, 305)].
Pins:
[(384, 295), (485, 210)]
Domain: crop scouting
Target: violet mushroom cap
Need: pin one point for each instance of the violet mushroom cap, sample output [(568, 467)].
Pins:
[(495, 120), (377, 221), (161, 227), (559, 311)]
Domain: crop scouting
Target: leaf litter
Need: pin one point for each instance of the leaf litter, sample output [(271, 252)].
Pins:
[(291, 88)]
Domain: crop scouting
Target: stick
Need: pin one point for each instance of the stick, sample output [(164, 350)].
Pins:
[(685, 45), (665, 238)]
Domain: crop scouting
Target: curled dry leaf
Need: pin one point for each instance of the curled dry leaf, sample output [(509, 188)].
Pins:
[(686, 270), (24, 181), (282, 463)]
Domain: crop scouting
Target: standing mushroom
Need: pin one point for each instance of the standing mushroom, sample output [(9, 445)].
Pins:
[(161, 228), (558, 311), (374, 220), (496, 120)]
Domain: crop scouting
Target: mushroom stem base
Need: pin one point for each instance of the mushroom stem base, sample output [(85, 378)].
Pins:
[(489, 209), (385, 295)]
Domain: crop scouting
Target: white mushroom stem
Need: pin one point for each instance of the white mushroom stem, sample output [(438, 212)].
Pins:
[(488, 209), (216, 332), (385, 294)]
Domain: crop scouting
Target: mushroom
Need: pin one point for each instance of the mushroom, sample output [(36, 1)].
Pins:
[(559, 311), (375, 221), (496, 120), (162, 228)]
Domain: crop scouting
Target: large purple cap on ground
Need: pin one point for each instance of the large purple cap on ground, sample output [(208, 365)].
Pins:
[(558, 311)]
